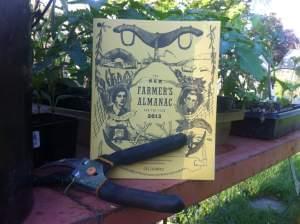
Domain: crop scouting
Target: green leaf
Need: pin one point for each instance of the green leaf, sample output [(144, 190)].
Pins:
[(41, 66), (73, 19), (249, 61), (226, 46), (76, 54), (256, 21), (177, 18), (37, 82), (52, 19), (96, 4), (237, 37), (64, 4), (131, 14)]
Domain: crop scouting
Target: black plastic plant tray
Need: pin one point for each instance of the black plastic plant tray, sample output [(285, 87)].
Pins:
[(267, 125), (54, 137)]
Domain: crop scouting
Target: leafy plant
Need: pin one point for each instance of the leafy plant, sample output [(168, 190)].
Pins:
[(62, 47), (62, 41), (287, 89), (44, 90), (260, 47), (276, 42)]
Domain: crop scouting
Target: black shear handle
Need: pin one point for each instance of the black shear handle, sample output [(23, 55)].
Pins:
[(140, 199), (148, 150)]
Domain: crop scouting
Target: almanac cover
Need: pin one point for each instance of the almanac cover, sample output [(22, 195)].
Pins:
[(152, 79)]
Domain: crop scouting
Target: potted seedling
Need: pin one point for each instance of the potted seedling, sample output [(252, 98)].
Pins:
[(227, 111), (274, 117), (267, 118), (270, 119), (57, 53), (238, 60)]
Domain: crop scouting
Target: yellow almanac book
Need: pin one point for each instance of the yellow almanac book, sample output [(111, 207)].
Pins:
[(152, 79)]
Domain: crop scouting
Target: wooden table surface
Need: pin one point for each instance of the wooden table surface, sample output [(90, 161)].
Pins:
[(239, 159)]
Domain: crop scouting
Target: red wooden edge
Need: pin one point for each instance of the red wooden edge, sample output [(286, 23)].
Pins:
[(239, 159)]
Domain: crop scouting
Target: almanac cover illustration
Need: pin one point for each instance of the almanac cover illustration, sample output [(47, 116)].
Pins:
[(152, 79)]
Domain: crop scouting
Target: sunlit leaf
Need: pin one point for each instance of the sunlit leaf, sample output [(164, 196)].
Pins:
[(249, 62)]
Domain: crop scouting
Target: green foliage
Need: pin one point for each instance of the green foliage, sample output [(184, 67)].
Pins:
[(276, 41), (262, 37), (270, 32), (296, 62), (284, 102), (287, 90), (232, 205), (63, 45), (62, 41)]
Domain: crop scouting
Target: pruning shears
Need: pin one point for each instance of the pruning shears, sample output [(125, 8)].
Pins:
[(91, 175)]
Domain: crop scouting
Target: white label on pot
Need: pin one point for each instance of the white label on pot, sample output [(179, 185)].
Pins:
[(36, 143)]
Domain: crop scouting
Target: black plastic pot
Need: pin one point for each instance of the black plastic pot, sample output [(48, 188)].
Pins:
[(223, 126), (78, 98), (224, 104), (75, 103), (225, 115), (267, 125), (54, 137)]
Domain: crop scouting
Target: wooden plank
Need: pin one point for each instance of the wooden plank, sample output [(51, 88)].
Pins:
[(246, 158), (51, 206)]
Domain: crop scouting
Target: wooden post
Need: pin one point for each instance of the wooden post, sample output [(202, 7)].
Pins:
[(15, 111)]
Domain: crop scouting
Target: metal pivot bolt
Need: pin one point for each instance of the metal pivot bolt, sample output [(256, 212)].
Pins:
[(91, 171)]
